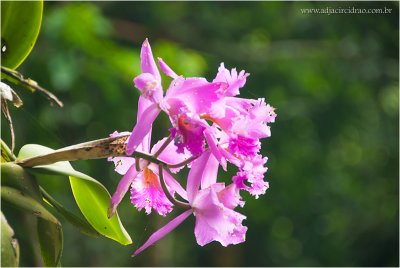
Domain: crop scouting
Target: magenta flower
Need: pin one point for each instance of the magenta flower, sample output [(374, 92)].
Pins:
[(149, 83), (147, 193), (251, 176), (146, 190), (185, 99), (234, 80), (188, 133), (236, 138), (210, 127), (212, 205), (189, 102)]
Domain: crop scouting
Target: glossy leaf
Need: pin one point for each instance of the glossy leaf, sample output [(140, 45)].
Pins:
[(81, 224), (16, 177), (91, 196), (20, 26), (51, 242), (28, 204), (93, 201), (9, 245)]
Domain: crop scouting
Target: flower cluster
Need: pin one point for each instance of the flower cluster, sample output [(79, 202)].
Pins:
[(210, 126)]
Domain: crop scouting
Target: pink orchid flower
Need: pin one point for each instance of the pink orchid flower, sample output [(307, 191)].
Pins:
[(212, 205), (146, 190), (185, 99), (215, 126), (237, 124)]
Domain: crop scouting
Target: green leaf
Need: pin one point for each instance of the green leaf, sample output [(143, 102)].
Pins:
[(20, 26), (81, 224), (27, 197), (93, 200), (9, 245), (20, 200), (49, 228), (90, 195), (51, 242), (16, 177)]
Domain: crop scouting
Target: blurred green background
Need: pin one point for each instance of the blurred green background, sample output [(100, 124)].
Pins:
[(334, 151)]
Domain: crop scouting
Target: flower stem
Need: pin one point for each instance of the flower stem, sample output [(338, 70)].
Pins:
[(17, 78), (149, 158), (137, 163), (7, 115), (183, 163), (161, 149), (167, 193)]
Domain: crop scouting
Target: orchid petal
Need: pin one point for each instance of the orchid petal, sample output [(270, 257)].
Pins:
[(195, 176), (230, 196), (244, 146), (215, 221), (160, 233), (174, 185), (119, 134), (147, 192), (218, 109), (166, 69), (142, 106), (142, 128), (122, 163), (188, 133), (197, 94), (122, 188), (149, 87), (145, 81), (210, 172), (147, 63), (214, 148), (203, 232), (232, 78)]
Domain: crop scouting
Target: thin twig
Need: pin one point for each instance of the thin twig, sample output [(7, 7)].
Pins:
[(7, 115), (31, 84)]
